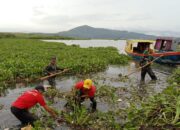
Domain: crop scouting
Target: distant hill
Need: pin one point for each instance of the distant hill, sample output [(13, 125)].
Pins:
[(101, 33)]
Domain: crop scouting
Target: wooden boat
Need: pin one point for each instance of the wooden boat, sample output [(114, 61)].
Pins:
[(135, 48), (162, 46)]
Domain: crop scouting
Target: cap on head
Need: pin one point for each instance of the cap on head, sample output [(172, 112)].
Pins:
[(40, 88), (87, 84), (54, 58)]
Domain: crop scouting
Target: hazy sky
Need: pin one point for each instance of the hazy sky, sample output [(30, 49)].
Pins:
[(59, 15)]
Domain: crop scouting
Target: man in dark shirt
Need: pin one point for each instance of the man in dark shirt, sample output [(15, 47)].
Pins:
[(147, 69), (51, 69)]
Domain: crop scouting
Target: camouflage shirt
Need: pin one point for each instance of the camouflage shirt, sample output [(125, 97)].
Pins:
[(52, 69), (145, 60)]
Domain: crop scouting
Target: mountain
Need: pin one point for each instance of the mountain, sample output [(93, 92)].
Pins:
[(101, 33), (163, 33)]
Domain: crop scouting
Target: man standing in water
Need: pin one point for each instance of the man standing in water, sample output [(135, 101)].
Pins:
[(147, 69), (26, 101), (51, 69)]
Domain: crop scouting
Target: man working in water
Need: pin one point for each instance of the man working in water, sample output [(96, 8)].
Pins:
[(51, 69), (147, 69), (26, 101), (85, 89)]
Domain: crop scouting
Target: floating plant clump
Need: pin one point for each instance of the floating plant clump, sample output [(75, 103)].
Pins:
[(1, 106)]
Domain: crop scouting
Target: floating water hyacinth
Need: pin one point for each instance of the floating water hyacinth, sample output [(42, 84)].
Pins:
[(25, 59)]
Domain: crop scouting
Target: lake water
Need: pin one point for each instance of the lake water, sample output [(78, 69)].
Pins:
[(108, 77), (119, 44)]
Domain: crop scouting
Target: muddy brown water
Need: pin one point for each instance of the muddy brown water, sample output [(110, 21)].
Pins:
[(108, 77)]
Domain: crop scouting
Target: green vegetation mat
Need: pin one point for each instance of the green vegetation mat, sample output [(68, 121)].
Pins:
[(26, 58)]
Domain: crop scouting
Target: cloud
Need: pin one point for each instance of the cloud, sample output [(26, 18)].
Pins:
[(38, 11), (59, 15)]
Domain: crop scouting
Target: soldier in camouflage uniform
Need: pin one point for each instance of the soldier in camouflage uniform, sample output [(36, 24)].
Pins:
[(51, 69), (147, 69)]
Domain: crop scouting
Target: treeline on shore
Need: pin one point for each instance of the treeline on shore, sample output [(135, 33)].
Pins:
[(35, 36)]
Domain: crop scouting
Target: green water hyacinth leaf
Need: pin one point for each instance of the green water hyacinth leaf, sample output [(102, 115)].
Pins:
[(176, 119)]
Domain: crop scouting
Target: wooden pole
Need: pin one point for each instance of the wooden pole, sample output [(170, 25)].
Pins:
[(143, 66), (48, 76)]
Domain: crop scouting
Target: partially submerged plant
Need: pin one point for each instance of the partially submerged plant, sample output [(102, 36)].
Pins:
[(78, 117), (53, 93), (107, 121), (123, 78), (107, 93), (1, 106), (44, 120)]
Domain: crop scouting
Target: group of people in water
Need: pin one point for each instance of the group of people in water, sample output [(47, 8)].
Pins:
[(84, 89), (20, 107)]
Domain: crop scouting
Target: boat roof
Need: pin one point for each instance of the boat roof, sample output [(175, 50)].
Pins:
[(140, 41), (164, 38), (168, 38)]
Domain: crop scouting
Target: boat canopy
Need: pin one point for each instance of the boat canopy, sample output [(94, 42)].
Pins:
[(136, 41), (167, 44), (138, 46)]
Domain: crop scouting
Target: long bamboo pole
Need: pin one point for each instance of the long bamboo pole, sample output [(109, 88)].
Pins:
[(143, 66), (46, 77)]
